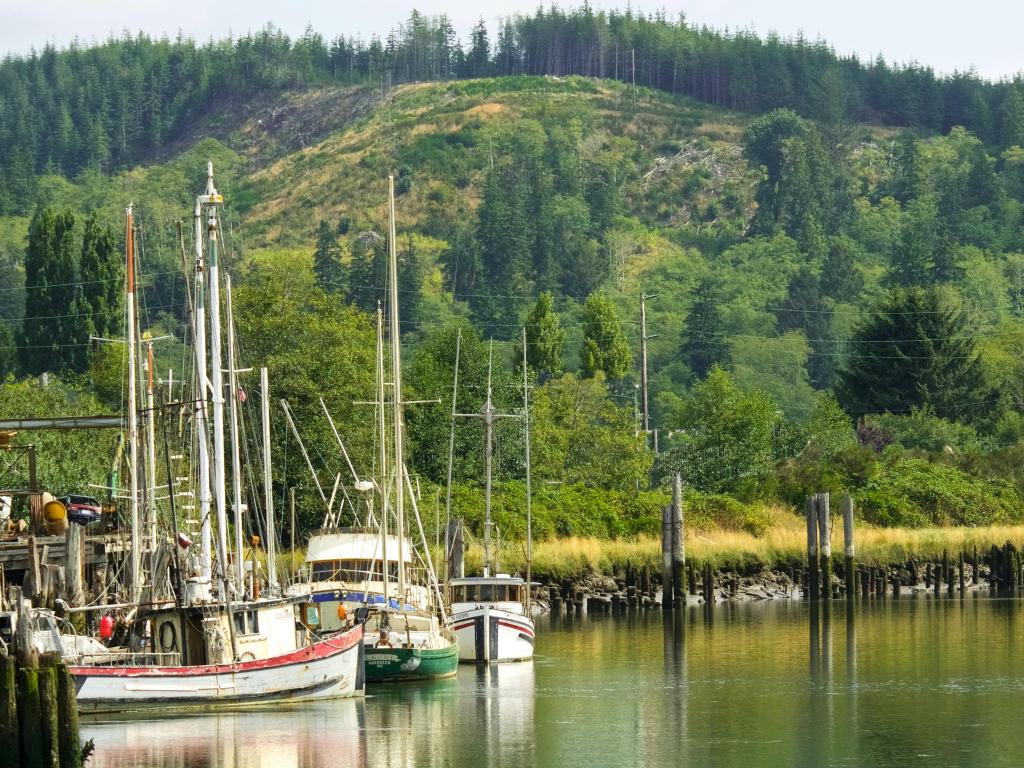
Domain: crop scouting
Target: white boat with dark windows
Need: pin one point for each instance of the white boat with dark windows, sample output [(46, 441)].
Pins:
[(489, 617), (491, 614)]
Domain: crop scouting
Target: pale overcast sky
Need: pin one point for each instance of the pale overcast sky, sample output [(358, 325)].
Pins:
[(948, 35)]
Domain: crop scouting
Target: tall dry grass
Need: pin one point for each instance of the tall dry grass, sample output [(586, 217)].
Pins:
[(784, 543)]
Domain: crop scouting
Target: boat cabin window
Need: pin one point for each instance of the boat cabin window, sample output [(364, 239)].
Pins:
[(352, 570), (486, 593), (247, 622)]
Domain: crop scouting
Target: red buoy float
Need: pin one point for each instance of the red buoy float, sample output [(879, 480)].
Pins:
[(107, 627)]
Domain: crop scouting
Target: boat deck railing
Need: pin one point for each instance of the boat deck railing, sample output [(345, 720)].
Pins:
[(117, 658)]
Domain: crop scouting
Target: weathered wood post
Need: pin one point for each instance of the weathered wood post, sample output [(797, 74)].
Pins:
[(68, 740), (691, 577), (455, 549), (825, 543), (74, 556), (30, 720), (848, 548), (667, 590), (963, 581), (948, 571), (974, 565), (678, 544), (812, 548), (48, 708), (10, 744)]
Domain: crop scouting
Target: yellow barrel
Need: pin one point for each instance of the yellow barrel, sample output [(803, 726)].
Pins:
[(55, 516)]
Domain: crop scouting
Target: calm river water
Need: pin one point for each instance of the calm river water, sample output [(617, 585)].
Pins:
[(916, 681)]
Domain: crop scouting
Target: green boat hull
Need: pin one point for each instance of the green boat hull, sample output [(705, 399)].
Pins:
[(386, 664)]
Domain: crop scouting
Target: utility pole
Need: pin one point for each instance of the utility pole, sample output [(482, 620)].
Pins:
[(643, 369)]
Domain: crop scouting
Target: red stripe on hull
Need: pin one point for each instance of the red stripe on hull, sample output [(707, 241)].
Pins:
[(520, 627), (319, 650)]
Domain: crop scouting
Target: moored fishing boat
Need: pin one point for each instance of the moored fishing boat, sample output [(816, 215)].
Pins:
[(491, 613), (209, 645), (369, 573), (270, 661), (490, 619)]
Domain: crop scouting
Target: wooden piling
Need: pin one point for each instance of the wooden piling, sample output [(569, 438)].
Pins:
[(937, 580), (691, 577), (30, 724), (812, 549), (678, 544), (667, 589), (455, 549), (974, 566), (865, 583), (963, 582), (848, 548), (48, 712), (825, 544), (947, 571), (10, 745), (69, 744), (927, 575)]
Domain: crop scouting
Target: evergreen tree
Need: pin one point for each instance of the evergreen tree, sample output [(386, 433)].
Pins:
[(915, 351), (410, 285), (604, 345), (920, 239), (766, 143), (805, 309), (368, 271), (703, 342), (545, 338), (48, 332), (102, 277), (327, 266), (841, 278), (8, 352)]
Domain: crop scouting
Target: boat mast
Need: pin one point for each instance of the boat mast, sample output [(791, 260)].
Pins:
[(268, 491), (150, 448), (396, 373), (236, 461), (451, 446), (529, 510), (383, 452), (217, 380), (489, 418), (202, 387), (135, 573)]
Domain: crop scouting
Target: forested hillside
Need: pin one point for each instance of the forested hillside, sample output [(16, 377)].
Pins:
[(837, 298)]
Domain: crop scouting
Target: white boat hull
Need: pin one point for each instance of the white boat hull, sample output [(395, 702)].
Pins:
[(329, 668), (490, 634)]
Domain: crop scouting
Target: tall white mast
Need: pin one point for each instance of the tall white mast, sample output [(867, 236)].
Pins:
[(490, 417), (396, 373), (236, 462), (150, 449), (202, 386), (216, 380), (135, 573), (382, 454), (268, 491), (529, 495)]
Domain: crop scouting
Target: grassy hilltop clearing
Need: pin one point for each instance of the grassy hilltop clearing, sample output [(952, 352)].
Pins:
[(838, 294)]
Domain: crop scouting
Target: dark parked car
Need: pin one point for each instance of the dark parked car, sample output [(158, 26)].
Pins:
[(82, 509)]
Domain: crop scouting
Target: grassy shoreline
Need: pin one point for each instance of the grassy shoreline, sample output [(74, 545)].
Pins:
[(781, 545), (784, 543)]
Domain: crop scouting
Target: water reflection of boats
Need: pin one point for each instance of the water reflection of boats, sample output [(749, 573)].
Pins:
[(504, 704), (327, 734)]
